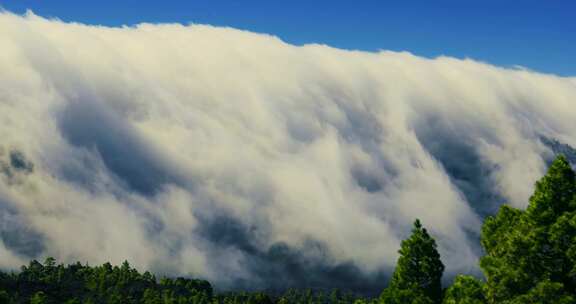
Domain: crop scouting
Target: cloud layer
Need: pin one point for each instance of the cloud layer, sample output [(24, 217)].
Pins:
[(233, 156)]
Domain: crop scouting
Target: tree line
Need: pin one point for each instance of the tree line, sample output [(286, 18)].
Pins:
[(529, 257)]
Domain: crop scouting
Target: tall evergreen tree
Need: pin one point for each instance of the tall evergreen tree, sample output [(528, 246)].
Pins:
[(530, 253), (418, 274)]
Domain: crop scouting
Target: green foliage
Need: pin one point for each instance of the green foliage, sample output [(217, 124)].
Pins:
[(49, 283), (76, 283), (546, 292), (39, 298), (555, 194), (412, 295), (418, 274), (465, 290), (529, 253)]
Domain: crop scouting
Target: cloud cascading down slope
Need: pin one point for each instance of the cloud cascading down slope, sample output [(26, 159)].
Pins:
[(233, 156)]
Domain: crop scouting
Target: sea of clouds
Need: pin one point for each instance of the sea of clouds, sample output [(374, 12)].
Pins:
[(236, 157)]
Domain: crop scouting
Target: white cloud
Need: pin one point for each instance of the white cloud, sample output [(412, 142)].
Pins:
[(143, 137)]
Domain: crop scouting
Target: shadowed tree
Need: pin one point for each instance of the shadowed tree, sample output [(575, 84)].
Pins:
[(38, 298)]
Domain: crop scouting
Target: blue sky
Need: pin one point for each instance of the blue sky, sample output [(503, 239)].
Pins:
[(540, 35)]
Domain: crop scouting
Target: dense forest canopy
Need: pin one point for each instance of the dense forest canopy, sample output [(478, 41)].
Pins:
[(529, 257)]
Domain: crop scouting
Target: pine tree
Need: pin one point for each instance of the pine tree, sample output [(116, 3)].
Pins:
[(554, 194), (529, 253), (418, 274), (465, 290)]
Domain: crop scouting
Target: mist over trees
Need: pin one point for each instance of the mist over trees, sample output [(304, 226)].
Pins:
[(246, 160), (529, 257)]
